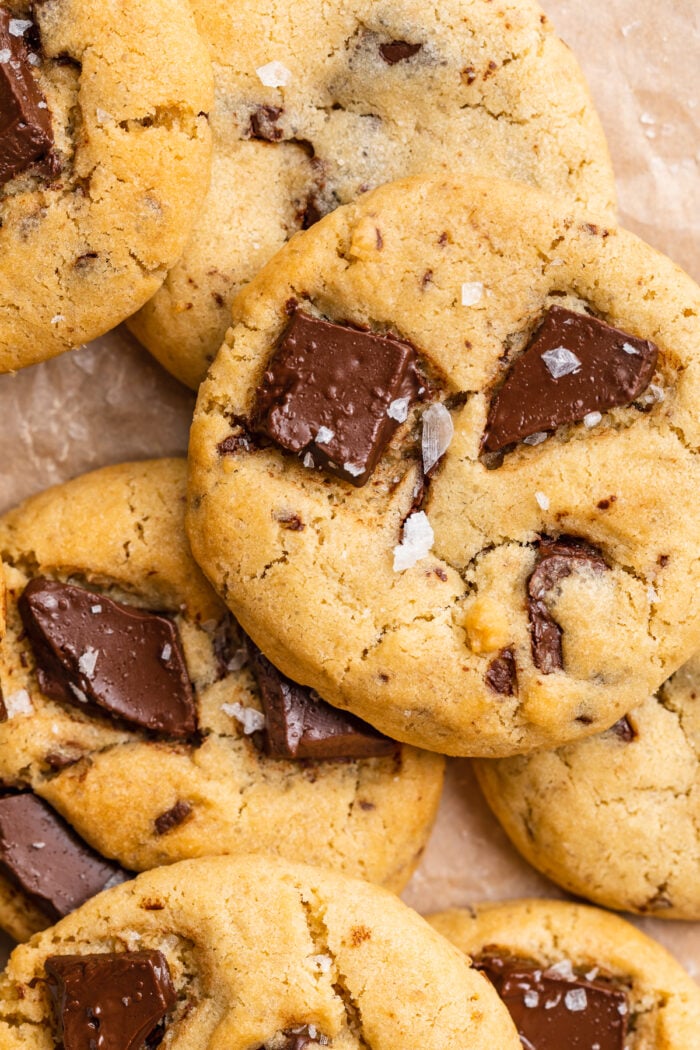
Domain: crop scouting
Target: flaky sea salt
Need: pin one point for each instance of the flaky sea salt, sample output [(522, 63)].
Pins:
[(542, 500), (18, 703), (322, 963), (308, 461), (536, 439), (38, 845), (78, 693), (5, 55), (94, 609), (274, 74), (353, 469), (652, 594), (251, 720), (398, 409), (166, 652), (238, 660), (438, 431), (472, 293), (561, 969), (324, 435), (88, 661), (19, 26), (417, 542), (576, 999), (57, 318), (631, 350), (531, 998), (561, 362), (592, 419)]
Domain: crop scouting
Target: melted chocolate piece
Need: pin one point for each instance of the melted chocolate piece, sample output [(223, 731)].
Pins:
[(501, 675), (298, 724), (553, 1012), (615, 368), (338, 381), (624, 730), (111, 1001), (398, 51), (92, 651), (172, 818), (46, 860), (263, 123), (557, 560), (26, 135)]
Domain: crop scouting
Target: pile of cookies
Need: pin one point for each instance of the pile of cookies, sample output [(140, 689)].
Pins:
[(439, 500)]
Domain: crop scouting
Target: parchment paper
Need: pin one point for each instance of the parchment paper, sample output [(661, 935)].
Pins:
[(109, 402)]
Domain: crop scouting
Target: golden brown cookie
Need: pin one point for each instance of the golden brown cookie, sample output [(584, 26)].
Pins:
[(104, 162), (156, 747), (483, 408), (317, 103)]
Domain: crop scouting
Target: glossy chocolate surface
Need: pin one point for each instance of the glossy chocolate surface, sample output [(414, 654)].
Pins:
[(26, 135)]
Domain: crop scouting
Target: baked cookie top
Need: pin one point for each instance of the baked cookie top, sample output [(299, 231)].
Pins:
[(578, 977), (161, 737), (252, 953), (317, 103), (615, 818), (497, 488), (104, 157)]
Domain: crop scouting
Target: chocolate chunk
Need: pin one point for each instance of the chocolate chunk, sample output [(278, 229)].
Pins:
[(299, 1039), (91, 650), (574, 364), (46, 860), (26, 135), (398, 51), (557, 560), (501, 675), (552, 1011), (110, 1001), (172, 818), (624, 730), (326, 393), (263, 123), (298, 724)]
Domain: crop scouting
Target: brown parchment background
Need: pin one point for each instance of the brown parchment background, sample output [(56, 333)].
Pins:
[(110, 402)]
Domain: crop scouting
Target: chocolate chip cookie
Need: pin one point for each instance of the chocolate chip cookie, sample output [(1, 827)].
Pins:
[(317, 103), (104, 158), (577, 977), (140, 726), (615, 818), (247, 954), (482, 409)]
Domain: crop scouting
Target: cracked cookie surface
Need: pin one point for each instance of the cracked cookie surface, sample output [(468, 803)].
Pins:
[(257, 948), (86, 239), (587, 534), (662, 1001), (615, 818), (367, 92), (144, 798)]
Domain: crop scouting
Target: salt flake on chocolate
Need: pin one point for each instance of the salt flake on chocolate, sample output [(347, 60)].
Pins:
[(5, 55), (576, 999), (324, 436), (251, 719), (398, 409), (592, 419), (417, 542), (19, 26), (274, 74), (536, 439), (561, 362), (438, 431), (88, 662), (352, 468)]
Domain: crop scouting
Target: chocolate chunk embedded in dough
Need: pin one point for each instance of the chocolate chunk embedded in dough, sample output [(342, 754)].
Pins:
[(300, 725), (92, 651), (552, 1011), (26, 135), (46, 860), (263, 123), (398, 51), (110, 1001), (575, 364), (172, 818), (326, 393), (501, 675), (557, 560)]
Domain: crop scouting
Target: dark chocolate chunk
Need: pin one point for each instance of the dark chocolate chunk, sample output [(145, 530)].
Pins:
[(574, 364), (300, 1038), (46, 860), (172, 818), (327, 391), (501, 675), (557, 560), (398, 51), (26, 135), (298, 724), (91, 650), (263, 123), (553, 1011), (110, 1001), (624, 730)]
